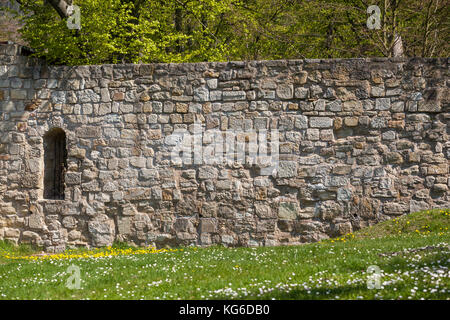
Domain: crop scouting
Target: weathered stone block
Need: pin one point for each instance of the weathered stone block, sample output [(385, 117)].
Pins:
[(264, 211), (287, 169), (184, 225), (208, 225), (12, 233), (301, 93), (344, 228), (288, 210), (209, 209), (102, 231), (89, 132), (233, 95), (201, 94), (329, 210), (415, 206), (224, 185), (31, 237), (394, 158), (382, 104), (7, 209), (74, 235), (73, 178), (20, 94), (351, 121), (285, 91), (342, 169), (320, 122), (36, 221), (69, 222), (352, 106), (207, 172), (301, 122), (344, 194), (334, 106), (313, 134)]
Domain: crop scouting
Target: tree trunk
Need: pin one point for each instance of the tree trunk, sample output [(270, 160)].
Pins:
[(397, 48), (61, 7)]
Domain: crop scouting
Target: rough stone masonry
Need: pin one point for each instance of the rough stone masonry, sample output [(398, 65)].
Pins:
[(360, 141)]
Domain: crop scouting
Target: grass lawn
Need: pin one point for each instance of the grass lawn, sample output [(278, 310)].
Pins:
[(412, 255)]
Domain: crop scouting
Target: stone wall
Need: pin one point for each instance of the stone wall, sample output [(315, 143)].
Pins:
[(360, 141)]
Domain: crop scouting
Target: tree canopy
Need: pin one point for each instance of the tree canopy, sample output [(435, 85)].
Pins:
[(133, 31)]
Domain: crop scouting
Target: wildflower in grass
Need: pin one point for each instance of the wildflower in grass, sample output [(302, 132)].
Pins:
[(95, 253)]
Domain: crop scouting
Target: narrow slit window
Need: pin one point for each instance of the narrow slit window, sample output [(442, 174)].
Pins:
[(55, 164)]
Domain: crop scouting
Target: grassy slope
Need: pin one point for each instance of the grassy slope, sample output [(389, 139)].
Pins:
[(412, 253)]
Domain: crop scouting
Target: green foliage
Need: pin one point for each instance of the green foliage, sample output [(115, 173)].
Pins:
[(133, 31), (93, 44), (114, 31)]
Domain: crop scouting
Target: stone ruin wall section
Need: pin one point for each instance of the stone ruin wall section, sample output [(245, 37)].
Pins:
[(360, 141)]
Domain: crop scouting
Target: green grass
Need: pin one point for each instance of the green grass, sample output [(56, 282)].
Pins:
[(413, 265), (7, 247)]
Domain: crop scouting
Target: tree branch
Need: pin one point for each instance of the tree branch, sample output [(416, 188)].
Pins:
[(61, 7)]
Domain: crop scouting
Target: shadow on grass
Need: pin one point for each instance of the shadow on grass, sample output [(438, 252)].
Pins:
[(320, 293), (345, 292), (435, 257)]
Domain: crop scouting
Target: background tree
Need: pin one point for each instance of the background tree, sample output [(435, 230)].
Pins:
[(9, 26), (114, 31)]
